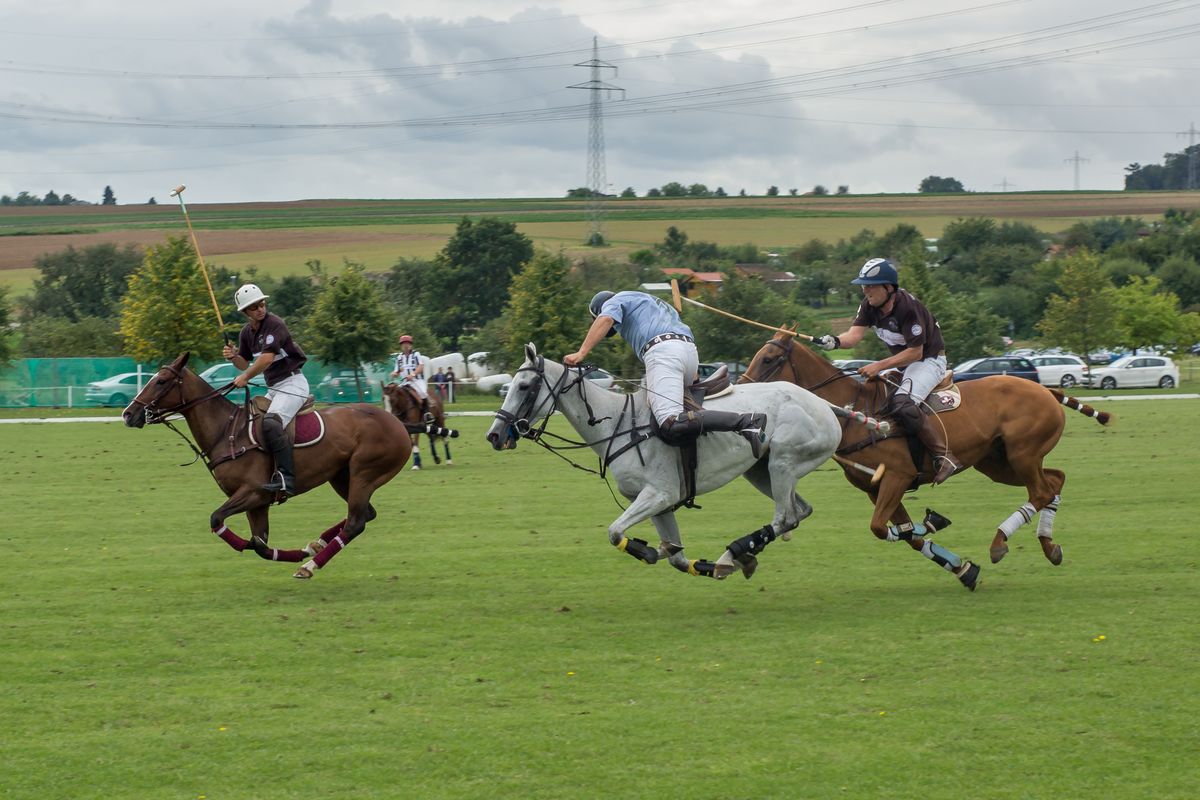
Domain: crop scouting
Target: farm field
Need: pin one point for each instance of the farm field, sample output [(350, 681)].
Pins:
[(482, 638), (278, 238)]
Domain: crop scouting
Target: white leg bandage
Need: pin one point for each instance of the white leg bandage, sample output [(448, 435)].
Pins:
[(1018, 518), (1045, 528)]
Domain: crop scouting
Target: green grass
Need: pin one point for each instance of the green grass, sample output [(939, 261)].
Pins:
[(482, 639)]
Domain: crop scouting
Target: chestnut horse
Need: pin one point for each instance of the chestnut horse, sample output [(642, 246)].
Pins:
[(401, 401), (361, 449), (1004, 428)]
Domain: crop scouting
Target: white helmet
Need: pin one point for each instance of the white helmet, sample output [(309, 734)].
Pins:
[(248, 295)]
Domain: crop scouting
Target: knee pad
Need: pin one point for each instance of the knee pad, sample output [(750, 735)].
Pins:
[(272, 423), (681, 429), (908, 414)]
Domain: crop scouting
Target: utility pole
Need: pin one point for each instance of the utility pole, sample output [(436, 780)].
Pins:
[(1078, 160), (1191, 154), (597, 177), (1004, 185)]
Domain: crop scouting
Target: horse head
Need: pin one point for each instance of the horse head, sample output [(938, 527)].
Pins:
[(530, 400), (160, 395), (783, 359)]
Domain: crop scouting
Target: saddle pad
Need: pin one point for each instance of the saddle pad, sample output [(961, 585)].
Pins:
[(942, 401), (727, 390), (308, 429)]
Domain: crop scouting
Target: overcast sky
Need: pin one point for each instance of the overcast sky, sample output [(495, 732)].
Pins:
[(285, 100)]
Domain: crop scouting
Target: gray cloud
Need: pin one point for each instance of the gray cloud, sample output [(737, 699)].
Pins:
[(490, 84)]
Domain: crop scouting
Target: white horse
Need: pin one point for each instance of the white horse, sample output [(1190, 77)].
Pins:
[(802, 432)]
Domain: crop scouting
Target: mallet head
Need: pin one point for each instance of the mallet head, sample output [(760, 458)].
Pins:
[(178, 190)]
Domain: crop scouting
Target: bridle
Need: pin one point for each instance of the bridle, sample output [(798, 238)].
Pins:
[(520, 425), (156, 415), (772, 372)]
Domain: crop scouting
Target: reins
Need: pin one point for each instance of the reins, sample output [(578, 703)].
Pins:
[(161, 416)]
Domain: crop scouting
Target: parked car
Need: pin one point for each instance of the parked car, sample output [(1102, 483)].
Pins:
[(1060, 370), (736, 368), (1017, 366), (117, 390), (851, 365), (1103, 357), (599, 377), (1136, 371), (339, 386), (218, 375)]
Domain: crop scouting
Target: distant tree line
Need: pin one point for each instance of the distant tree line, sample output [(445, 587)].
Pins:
[(1108, 282), (1173, 173), (52, 198), (676, 189)]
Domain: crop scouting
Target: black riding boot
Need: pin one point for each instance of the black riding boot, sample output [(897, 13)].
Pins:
[(750, 426), (284, 478), (931, 436), (426, 414)]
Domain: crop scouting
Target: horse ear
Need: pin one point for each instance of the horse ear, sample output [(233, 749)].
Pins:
[(181, 362), (530, 352)]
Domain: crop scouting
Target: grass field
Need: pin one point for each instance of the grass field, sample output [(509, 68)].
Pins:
[(482, 639), (278, 238)]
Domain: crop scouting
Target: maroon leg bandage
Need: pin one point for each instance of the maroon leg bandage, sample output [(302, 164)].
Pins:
[(332, 548), (231, 538), (332, 532)]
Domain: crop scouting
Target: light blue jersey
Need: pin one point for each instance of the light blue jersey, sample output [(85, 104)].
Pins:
[(640, 317)]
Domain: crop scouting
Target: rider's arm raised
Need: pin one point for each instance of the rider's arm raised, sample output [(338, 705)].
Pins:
[(852, 336), (600, 328)]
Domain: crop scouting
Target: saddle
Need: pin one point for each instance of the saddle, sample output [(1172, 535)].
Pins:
[(943, 398), (306, 428), (715, 385)]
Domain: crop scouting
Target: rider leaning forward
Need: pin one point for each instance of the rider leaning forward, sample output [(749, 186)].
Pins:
[(665, 345), (914, 338), (265, 347)]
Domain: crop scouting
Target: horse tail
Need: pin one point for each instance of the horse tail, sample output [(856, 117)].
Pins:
[(1103, 417)]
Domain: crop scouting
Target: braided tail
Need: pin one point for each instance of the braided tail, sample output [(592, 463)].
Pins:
[(1103, 417)]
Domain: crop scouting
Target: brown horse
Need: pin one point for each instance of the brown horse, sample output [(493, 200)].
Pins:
[(1004, 428), (361, 448), (403, 402)]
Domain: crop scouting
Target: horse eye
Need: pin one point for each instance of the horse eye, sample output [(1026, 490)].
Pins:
[(523, 385)]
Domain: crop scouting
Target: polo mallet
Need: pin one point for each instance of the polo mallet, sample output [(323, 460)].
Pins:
[(178, 192), (677, 300)]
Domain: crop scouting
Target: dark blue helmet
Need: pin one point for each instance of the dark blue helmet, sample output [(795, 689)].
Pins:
[(598, 301), (877, 272)]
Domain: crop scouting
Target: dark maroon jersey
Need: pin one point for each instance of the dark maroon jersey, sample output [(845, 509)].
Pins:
[(909, 325), (272, 337)]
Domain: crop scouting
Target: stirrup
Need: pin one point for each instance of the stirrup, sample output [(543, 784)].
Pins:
[(757, 438), (280, 483)]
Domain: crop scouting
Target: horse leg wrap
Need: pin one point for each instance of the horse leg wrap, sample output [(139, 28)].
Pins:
[(752, 544), (935, 522), (416, 455), (275, 554), (639, 549), (1045, 529), (1018, 518), (332, 548), (231, 538), (703, 568), (941, 556), (332, 532), (906, 531)]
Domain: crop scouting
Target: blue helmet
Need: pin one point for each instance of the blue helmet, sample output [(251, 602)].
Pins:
[(598, 301), (877, 272)]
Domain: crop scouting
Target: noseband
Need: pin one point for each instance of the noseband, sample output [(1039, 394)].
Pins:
[(156, 415), (519, 421)]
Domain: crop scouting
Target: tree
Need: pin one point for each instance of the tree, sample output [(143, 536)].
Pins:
[(1146, 314), (110, 199), (698, 190), (6, 334), (1181, 275), (581, 191), (936, 183), (58, 337), (772, 191), (52, 199), (85, 282), (167, 309), (793, 192), (720, 192), (721, 338), (673, 243), (674, 189), (151, 202), (350, 323), (628, 192), (470, 281), (544, 308), (1081, 314), (654, 191), (819, 190), (843, 189)]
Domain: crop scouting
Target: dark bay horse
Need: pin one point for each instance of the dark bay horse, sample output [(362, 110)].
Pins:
[(362, 448), (406, 406), (1004, 428)]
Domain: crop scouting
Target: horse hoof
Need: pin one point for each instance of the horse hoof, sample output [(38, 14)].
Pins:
[(449, 463), (749, 567), (415, 467), (1054, 554), (723, 571), (316, 546), (999, 552), (968, 574), (304, 573)]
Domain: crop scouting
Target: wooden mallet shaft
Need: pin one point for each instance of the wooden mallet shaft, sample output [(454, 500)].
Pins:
[(677, 300), (178, 193)]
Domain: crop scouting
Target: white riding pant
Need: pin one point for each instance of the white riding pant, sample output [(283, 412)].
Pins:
[(670, 367), (287, 396), (921, 376), (418, 385)]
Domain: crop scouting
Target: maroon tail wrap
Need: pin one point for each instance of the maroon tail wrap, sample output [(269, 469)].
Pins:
[(231, 538)]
